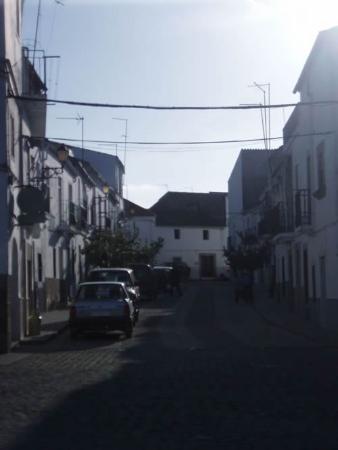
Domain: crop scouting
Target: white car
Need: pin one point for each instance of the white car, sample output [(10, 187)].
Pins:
[(102, 306)]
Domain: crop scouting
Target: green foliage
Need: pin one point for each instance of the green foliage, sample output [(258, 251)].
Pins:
[(112, 250), (250, 255)]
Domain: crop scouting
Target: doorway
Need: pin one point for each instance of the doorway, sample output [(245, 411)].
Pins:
[(322, 275), (207, 266), (14, 296)]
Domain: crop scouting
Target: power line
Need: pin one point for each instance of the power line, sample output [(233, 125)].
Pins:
[(230, 141), (171, 108)]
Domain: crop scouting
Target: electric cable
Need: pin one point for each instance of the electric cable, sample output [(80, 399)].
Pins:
[(170, 108)]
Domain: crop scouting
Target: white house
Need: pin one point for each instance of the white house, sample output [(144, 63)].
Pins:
[(47, 206), (312, 263), (298, 207), (140, 220), (16, 120), (193, 226), (245, 185)]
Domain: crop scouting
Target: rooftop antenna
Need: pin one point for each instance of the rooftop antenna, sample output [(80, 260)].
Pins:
[(266, 118), (78, 119), (36, 30)]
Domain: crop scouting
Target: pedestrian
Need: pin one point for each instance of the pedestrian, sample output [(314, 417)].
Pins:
[(175, 280), (244, 286), (247, 281)]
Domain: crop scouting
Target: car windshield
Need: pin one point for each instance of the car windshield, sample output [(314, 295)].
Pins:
[(111, 275), (99, 292)]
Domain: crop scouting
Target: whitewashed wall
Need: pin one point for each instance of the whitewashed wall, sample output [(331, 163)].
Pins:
[(191, 245)]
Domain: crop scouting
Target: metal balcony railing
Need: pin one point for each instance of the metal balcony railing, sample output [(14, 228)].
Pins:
[(302, 207), (67, 215), (276, 220)]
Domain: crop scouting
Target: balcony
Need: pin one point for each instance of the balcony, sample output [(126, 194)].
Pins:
[(73, 214), (276, 220), (302, 208), (84, 217), (108, 223)]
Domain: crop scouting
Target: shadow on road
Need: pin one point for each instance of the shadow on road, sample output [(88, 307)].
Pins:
[(165, 398)]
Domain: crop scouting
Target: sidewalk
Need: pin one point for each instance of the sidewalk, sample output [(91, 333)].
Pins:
[(247, 324), (53, 323), (278, 314)]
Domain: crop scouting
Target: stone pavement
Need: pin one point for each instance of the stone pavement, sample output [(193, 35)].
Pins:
[(201, 372)]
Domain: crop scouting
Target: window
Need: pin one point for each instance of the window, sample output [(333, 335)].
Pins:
[(47, 196), (39, 267), (60, 200), (205, 235), (177, 233), (296, 177), (54, 262), (321, 178), (12, 135), (314, 286)]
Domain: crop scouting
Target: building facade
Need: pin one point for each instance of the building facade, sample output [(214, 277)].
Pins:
[(298, 206), (48, 205), (193, 227)]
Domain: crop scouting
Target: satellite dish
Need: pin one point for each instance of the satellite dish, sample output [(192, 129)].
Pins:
[(31, 200)]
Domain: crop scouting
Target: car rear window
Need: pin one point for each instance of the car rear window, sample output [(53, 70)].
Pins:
[(100, 292), (110, 275)]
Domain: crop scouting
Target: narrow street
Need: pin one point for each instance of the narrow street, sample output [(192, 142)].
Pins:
[(200, 372)]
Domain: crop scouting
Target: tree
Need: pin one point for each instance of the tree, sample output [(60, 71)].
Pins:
[(108, 249), (250, 255)]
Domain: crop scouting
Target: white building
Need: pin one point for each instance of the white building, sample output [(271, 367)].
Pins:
[(16, 120), (298, 207), (193, 226), (311, 265), (140, 220), (246, 184), (46, 208)]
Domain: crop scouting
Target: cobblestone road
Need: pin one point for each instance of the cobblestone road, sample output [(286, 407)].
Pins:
[(201, 372)]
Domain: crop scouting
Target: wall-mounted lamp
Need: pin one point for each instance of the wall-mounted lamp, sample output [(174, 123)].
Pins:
[(49, 172), (105, 189)]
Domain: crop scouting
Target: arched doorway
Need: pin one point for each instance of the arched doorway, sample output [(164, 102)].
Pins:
[(14, 295)]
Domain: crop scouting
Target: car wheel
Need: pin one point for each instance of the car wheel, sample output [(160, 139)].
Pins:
[(129, 329)]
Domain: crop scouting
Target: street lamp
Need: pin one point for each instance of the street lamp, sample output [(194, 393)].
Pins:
[(63, 153), (49, 172)]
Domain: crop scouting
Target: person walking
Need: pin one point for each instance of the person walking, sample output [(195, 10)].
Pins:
[(176, 281)]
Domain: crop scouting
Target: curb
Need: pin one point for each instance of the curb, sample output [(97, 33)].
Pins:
[(43, 337)]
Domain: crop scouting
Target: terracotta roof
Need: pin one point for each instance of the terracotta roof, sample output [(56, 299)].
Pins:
[(191, 209)]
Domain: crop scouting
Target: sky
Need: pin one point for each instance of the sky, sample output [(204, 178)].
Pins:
[(173, 52)]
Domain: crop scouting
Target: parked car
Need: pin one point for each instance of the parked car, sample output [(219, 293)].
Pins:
[(102, 306), (182, 267), (119, 274), (163, 277), (145, 279)]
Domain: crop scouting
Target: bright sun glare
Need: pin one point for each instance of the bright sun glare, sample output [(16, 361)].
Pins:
[(303, 19)]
